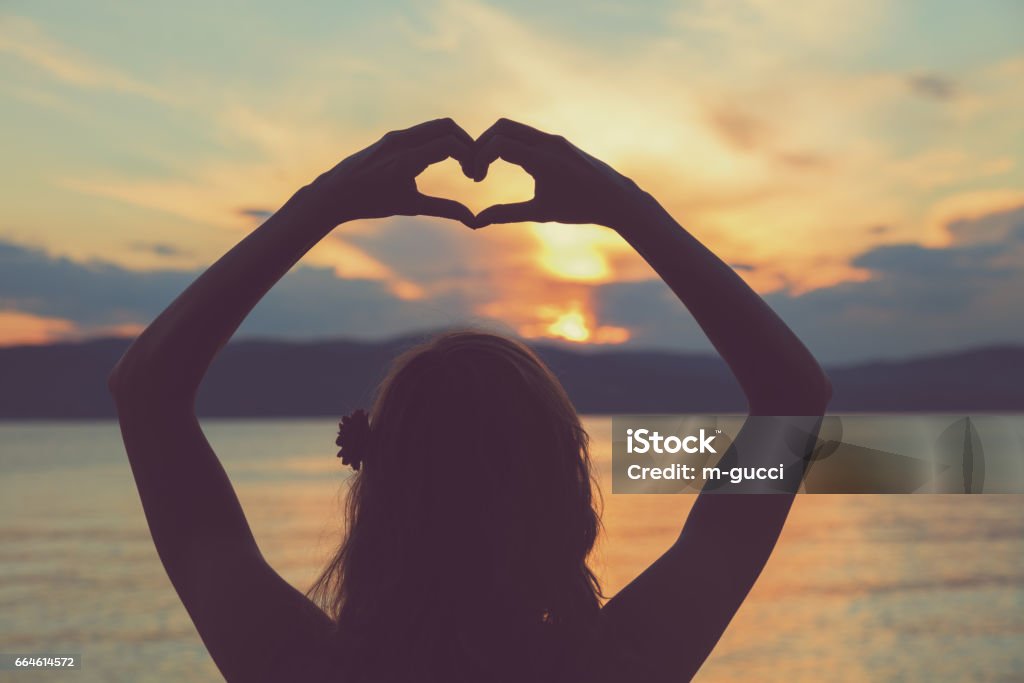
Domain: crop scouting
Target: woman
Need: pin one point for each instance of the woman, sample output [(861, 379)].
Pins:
[(471, 516)]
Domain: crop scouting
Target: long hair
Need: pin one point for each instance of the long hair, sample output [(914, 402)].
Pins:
[(469, 522)]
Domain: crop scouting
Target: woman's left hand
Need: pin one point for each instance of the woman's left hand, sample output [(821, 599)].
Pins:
[(380, 180)]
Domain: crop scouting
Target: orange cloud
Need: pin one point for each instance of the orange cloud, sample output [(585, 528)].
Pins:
[(17, 328)]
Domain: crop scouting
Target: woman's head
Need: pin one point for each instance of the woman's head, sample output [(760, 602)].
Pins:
[(473, 509)]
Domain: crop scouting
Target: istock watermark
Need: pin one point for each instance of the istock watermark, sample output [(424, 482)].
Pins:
[(831, 454), (644, 440)]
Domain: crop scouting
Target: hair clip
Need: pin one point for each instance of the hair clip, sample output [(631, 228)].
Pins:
[(354, 438)]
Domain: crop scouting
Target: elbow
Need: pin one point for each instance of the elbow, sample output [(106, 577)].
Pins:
[(125, 377), (123, 389), (115, 381), (135, 383), (116, 385)]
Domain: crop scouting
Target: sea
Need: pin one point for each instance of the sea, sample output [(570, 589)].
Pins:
[(860, 587)]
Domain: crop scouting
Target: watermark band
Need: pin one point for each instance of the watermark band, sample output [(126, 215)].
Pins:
[(831, 454)]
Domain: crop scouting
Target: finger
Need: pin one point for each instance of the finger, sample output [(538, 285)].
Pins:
[(509, 149), (425, 205), (439, 149), (430, 130), (519, 212), (424, 132), (512, 129)]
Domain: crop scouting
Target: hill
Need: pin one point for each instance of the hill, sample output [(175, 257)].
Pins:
[(276, 378)]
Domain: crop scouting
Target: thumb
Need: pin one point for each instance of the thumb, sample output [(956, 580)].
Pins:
[(425, 205), (519, 212)]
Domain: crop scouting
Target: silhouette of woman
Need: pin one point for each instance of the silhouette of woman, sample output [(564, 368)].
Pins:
[(471, 517)]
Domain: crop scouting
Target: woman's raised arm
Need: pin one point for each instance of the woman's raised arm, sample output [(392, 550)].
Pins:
[(675, 612), (254, 624)]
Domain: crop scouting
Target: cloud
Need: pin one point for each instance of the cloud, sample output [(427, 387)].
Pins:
[(909, 279), (917, 299), (424, 251), (778, 135), (652, 313), (933, 86), (17, 327), (75, 299), (741, 130), (24, 40), (256, 213), (765, 27), (768, 135), (163, 249), (998, 227)]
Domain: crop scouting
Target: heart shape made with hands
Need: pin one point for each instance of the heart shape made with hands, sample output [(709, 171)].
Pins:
[(505, 183)]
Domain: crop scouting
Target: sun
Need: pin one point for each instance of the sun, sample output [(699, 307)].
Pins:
[(574, 323), (571, 326)]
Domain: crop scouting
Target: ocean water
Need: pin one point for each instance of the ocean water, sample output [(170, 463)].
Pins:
[(860, 588)]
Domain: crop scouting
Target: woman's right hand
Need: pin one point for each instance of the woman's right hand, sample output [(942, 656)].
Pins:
[(571, 186), (380, 180)]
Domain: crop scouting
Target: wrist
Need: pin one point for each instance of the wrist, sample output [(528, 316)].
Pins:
[(638, 210), (318, 205)]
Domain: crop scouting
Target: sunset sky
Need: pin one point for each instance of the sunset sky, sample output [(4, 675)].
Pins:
[(860, 163)]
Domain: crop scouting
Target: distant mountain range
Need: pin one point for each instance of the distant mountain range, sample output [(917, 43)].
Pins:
[(329, 378)]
